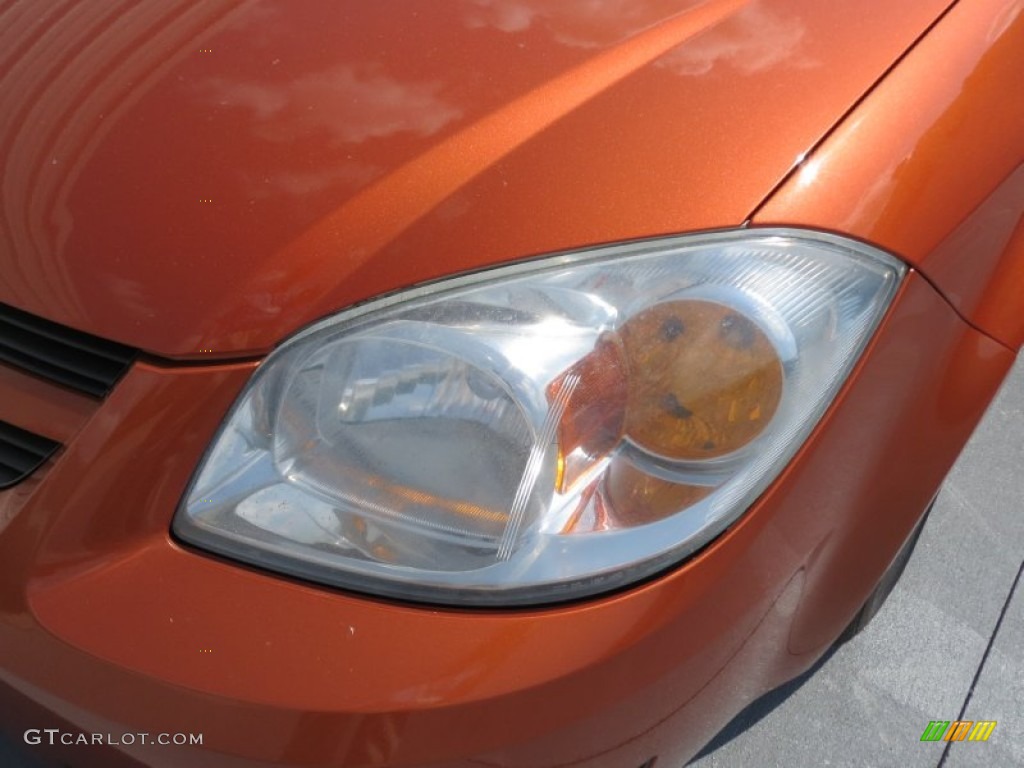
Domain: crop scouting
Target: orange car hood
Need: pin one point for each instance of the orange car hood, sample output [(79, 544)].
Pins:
[(202, 179)]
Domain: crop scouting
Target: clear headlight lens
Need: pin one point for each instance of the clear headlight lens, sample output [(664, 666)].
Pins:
[(544, 431)]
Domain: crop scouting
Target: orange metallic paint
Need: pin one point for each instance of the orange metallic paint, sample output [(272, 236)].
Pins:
[(980, 265), (115, 614), (931, 166), (202, 179), (41, 407)]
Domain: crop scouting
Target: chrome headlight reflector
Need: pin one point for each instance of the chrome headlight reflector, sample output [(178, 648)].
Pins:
[(544, 431)]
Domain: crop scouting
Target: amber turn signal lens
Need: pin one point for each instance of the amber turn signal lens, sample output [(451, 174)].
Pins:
[(704, 380), (637, 498), (684, 380)]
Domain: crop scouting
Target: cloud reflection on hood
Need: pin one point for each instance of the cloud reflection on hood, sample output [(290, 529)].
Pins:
[(576, 23), (754, 39), (349, 103)]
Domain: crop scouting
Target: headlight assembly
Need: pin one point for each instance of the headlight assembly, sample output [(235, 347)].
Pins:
[(544, 431)]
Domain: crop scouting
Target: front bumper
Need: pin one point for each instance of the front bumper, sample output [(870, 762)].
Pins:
[(109, 626)]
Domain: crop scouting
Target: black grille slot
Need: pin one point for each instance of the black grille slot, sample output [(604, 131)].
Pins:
[(21, 453), (62, 355)]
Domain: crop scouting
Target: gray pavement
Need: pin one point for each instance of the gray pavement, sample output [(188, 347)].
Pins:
[(949, 640)]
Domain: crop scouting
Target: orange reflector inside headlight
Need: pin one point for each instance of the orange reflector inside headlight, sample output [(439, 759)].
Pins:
[(684, 380), (704, 380)]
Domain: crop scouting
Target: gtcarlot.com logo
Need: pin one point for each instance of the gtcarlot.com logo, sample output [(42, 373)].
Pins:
[(53, 736)]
